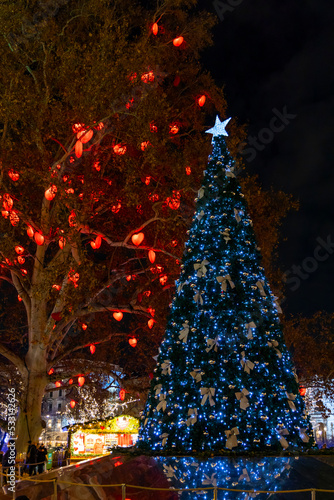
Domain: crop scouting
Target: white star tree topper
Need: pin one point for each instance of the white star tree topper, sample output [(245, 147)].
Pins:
[(219, 128)]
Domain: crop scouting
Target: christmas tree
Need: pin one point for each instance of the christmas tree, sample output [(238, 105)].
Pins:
[(224, 379)]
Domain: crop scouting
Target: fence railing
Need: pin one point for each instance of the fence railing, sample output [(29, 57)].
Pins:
[(124, 488)]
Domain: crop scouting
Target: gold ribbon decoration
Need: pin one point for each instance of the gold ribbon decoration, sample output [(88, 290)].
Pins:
[(169, 471), (274, 344), (231, 438), (200, 215), (201, 192), (242, 397), (184, 332), (208, 393), (164, 438), (166, 369), (260, 284), (157, 389), (224, 280), (291, 397), (244, 475), (226, 235), (249, 327), (180, 287), (196, 374), (304, 436), (245, 363), (201, 269), (237, 214), (282, 440), (198, 297), (212, 344), (192, 414), (229, 172), (210, 480), (163, 403), (278, 307)]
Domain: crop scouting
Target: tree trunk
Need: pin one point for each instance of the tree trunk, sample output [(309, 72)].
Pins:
[(29, 423)]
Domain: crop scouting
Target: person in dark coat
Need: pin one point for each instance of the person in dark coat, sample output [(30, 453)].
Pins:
[(41, 458), (32, 458)]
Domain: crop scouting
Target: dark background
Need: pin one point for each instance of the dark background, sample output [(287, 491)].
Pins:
[(271, 54)]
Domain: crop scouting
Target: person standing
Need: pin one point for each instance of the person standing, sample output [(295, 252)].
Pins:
[(41, 458), (31, 458)]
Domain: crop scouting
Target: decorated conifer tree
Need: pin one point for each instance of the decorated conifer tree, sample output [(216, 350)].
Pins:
[(224, 379)]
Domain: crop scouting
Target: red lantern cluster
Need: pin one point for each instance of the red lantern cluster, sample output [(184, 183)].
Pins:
[(133, 341)]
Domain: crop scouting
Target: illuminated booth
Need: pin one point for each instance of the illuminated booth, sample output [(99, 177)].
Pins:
[(97, 437)]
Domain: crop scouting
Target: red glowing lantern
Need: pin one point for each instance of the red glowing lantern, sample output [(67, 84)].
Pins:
[(188, 170), (72, 404), (150, 323), (153, 128), (51, 371), (81, 380), (84, 326), (72, 219), (201, 100), (118, 315), (133, 342), (92, 348), (14, 175), (51, 192), (56, 287), (177, 80), (7, 202), (151, 256), (14, 218), (174, 128), (116, 208), (178, 41), (155, 28), (85, 136), (128, 278), (144, 145), (302, 390), (56, 316), (163, 279), (96, 243), (78, 149), (97, 166), (74, 277), (122, 394), (62, 242), (147, 77), (119, 149), (19, 250), (77, 127), (30, 232), (70, 381), (39, 238), (19, 298), (21, 260), (137, 238), (58, 384)]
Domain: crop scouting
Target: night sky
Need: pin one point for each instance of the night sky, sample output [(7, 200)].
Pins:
[(276, 57)]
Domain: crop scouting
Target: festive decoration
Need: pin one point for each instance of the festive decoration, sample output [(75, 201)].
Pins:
[(51, 192), (39, 238), (92, 348), (137, 238), (178, 41), (224, 378), (133, 342), (122, 394), (118, 315), (72, 404), (155, 28), (81, 380), (19, 250), (58, 384), (151, 256), (302, 390), (201, 100)]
